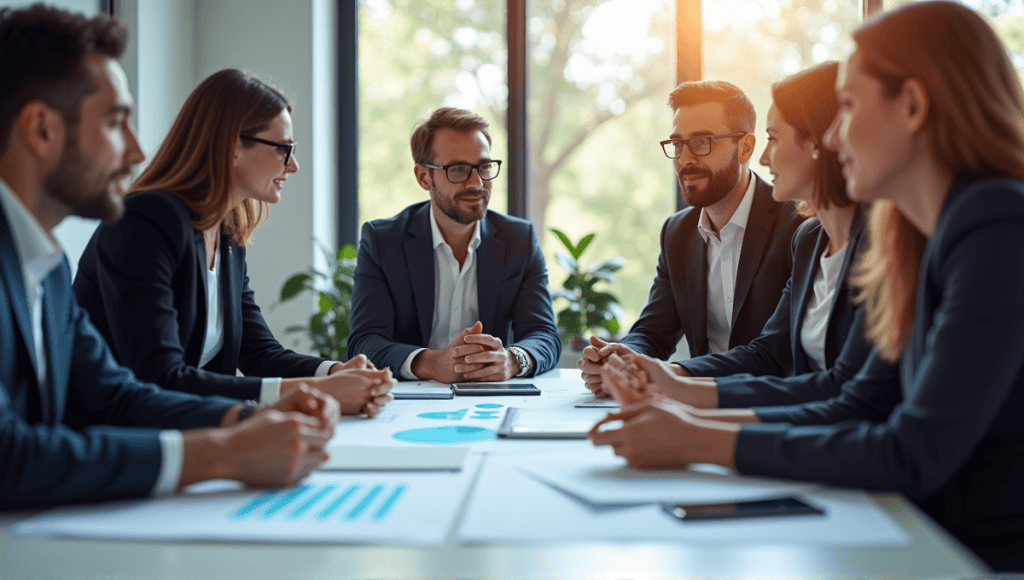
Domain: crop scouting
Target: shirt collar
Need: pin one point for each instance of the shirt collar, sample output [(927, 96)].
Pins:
[(435, 232), (739, 217), (38, 253)]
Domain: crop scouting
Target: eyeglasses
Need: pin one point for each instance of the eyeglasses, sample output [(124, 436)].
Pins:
[(461, 172), (288, 148), (699, 146)]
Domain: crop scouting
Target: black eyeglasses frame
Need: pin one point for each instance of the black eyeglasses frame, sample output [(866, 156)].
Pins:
[(288, 147)]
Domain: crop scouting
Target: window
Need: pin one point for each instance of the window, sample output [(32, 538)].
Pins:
[(415, 56)]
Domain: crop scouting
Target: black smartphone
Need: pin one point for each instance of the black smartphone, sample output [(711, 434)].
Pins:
[(478, 389), (783, 506)]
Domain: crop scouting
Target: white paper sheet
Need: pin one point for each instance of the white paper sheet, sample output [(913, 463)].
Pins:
[(351, 458), (422, 390), (596, 475), (329, 507), (538, 513)]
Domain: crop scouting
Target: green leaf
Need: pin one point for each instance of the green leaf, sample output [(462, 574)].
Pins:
[(325, 303), (568, 263), (612, 325), (608, 266), (580, 247), (294, 285), (567, 294), (565, 239), (348, 252)]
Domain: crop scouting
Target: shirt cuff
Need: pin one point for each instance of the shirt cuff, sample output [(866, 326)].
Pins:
[(406, 371), (325, 368), (270, 390), (172, 444)]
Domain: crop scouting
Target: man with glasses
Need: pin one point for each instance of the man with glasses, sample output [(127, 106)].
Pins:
[(447, 290), (725, 259)]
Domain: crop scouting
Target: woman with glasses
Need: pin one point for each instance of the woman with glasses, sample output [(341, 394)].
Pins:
[(929, 130), (167, 285), (814, 341)]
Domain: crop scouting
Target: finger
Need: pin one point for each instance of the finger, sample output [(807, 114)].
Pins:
[(382, 400), (588, 367), (462, 368), (485, 340), (491, 372), (466, 349), (597, 342), (486, 357)]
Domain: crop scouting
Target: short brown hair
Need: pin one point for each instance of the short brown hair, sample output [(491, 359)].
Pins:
[(444, 118), (807, 102), (194, 161), (973, 128), (739, 111), (44, 55)]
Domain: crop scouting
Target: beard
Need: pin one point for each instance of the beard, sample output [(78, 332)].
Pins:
[(719, 183), (83, 188), (450, 207)]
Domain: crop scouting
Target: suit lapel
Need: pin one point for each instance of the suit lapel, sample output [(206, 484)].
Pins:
[(696, 289), (201, 314), (419, 257), (230, 301), (759, 224), (14, 282), (55, 288), (490, 257), (857, 237), (803, 289)]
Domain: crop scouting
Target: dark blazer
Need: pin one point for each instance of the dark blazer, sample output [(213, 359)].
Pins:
[(393, 294), (142, 280), (98, 436), (677, 303), (955, 444), (775, 367)]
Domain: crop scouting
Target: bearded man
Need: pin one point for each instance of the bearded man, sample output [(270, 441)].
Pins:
[(725, 260), (448, 290)]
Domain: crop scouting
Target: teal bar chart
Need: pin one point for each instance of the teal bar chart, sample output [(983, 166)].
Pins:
[(364, 502)]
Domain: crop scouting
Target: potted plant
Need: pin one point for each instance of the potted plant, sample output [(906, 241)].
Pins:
[(329, 326), (588, 310)]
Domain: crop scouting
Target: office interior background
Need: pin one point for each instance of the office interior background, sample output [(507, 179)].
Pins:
[(575, 91)]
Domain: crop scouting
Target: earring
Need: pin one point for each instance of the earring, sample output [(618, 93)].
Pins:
[(815, 154)]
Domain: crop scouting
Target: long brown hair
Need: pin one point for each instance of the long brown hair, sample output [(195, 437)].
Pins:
[(807, 102), (194, 161), (974, 128)]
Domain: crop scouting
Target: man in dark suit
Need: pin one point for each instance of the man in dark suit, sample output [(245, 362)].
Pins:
[(74, 425), (447, 290), (725, 259)]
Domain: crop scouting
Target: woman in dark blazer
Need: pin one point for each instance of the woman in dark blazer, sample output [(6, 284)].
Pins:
[(930, 130), (167, 285), (813, 343)]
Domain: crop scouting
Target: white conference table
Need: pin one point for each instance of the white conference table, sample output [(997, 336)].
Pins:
[(932, 553)]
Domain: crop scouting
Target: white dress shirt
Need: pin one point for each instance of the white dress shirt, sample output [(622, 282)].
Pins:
[(723, 254), (456, 304), (812, 332), (39, 255), (213, 337)]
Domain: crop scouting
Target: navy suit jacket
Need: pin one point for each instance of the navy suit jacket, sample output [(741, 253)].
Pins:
[(774, 369), (393, 295), (954, 439), (677, 303), (98, 436), (142, 279)]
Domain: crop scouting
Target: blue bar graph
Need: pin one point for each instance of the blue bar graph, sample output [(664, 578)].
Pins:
[(349, 502), (285, 500), (337, 503), (385, 508), (302, 508), (364, 503), (257, 502)]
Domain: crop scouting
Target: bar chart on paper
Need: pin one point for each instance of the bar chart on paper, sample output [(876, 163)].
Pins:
[(372, 502), (415, 508)]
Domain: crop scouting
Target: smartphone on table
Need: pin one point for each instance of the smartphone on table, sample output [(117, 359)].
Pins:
[(484, 389), (782, 506)]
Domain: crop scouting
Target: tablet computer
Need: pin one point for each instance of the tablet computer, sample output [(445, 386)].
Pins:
[(484, 389)]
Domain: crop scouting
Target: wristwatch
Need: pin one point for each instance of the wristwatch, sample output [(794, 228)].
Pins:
[(248, 408), (522, 359)]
